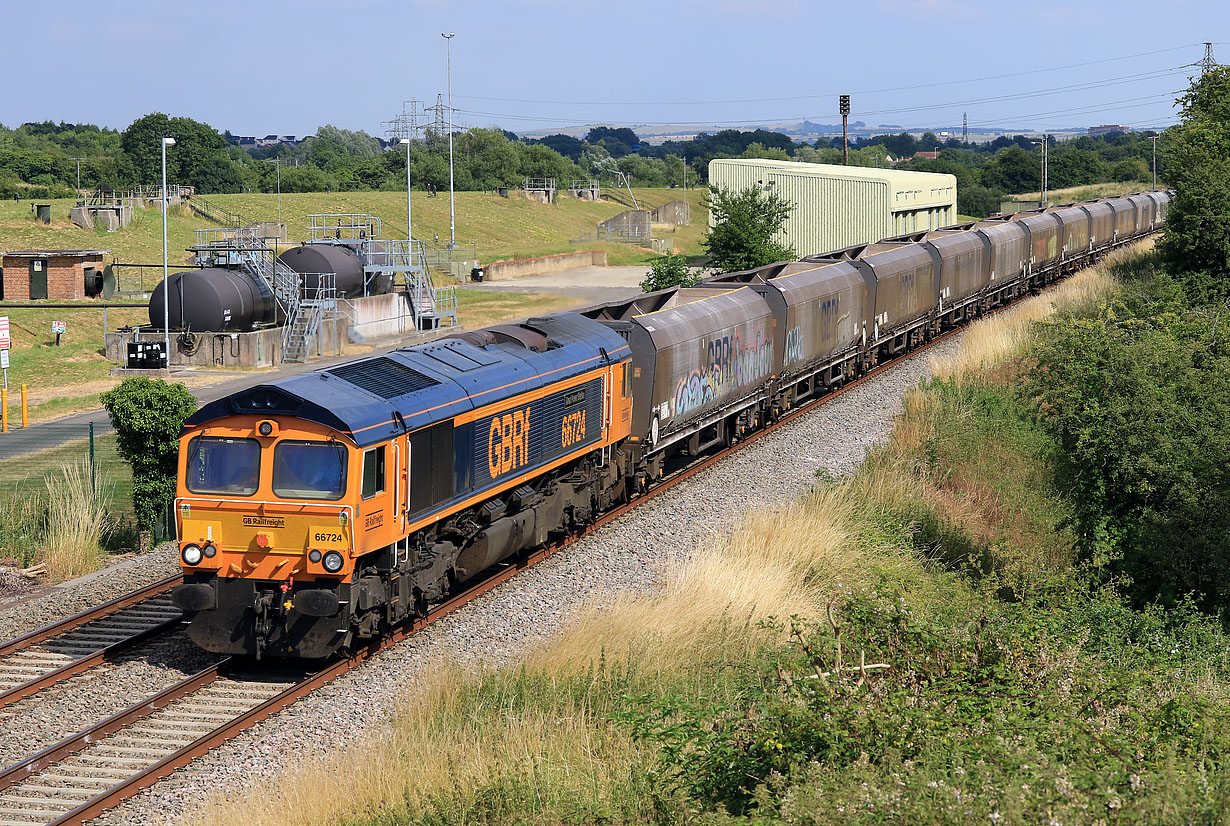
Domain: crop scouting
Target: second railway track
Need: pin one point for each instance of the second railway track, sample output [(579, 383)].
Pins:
[(64, 649)]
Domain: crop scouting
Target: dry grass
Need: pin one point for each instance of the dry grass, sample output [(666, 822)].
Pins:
[(464, 740), (76, 520), (994, 340), (781, 562), (1088, 192)]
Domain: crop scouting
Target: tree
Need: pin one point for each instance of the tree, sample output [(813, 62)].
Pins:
[(192, 160), (1133, 169), (1138, 397), (1013, 170), (669, 271), (756, 150), (1196, 243), (147, 415), (745, 224), (978, 201), (899, 146)]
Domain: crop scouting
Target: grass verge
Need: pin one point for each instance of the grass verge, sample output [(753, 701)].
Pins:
[(913, 644)]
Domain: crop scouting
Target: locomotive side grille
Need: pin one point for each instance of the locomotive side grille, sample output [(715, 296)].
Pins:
[(384, 377)]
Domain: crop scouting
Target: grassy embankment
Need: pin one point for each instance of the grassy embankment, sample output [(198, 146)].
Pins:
[(69, 379), (1087, 192), (1013, 691)]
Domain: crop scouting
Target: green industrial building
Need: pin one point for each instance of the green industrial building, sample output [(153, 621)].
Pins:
[(839, 206)]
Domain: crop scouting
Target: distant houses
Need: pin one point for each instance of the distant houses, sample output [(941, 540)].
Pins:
[(253, 142)]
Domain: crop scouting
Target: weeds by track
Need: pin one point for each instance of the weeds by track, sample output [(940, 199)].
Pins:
[(96, 769)]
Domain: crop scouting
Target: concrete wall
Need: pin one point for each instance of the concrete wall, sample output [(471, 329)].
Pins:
[(65, 276), (629, 220), (380, 317), (672, 212), (501, 270)]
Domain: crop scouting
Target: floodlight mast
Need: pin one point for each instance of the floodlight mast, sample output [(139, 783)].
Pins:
[(166, 287), (452, 204)]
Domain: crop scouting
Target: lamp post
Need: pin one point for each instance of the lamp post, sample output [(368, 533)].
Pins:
[(409, 214), (277, 161), (1155, 137), (452, 206), (1046, 147), (166, 286)]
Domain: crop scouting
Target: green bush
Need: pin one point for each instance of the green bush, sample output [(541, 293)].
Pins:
[(744, 225), (667, 271), (1138, 398), (147, 415), (901, 710)]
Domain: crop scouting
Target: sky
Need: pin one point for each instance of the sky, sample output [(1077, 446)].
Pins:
[(269, 66)]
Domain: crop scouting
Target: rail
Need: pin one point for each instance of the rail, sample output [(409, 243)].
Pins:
[(213, 212), (158, 768), (343, 226)]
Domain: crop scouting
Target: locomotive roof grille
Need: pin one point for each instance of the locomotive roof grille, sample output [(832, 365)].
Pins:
[(384, 377)]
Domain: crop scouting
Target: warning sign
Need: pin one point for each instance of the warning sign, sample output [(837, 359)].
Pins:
[(5, 342), (58, 327)]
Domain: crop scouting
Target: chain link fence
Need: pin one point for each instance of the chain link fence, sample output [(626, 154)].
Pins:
[(33, 462)]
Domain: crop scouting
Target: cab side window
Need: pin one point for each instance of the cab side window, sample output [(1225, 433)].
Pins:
[(373, 472)]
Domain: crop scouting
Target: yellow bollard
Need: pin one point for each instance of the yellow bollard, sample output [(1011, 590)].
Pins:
[(25, 411), (4, 410)]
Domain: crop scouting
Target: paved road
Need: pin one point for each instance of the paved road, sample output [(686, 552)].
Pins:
[(591, 285), (49, 434)]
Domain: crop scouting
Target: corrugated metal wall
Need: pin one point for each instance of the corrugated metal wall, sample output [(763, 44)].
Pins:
[(834, 212)]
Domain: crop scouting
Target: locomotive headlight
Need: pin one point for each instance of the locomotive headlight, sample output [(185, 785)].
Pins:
[(333, 562), (314, 555), (192, 554), (211, 551), (266, 428)]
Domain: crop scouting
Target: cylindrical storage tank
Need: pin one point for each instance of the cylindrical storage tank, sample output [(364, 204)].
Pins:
[(312, 260), (212, 300)]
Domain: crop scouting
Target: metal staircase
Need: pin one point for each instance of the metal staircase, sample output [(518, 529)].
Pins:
[(212, 212), (303, 309), (300, 331)]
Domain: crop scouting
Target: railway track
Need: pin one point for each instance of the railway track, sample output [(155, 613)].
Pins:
[(44, 657), (95, 770)]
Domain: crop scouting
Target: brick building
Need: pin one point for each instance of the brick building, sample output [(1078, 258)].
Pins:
[(61, 274)]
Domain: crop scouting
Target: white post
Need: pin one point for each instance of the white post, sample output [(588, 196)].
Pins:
[(166, 286), (452, 206), (1155, 137), (1046, 141), (409, 214)]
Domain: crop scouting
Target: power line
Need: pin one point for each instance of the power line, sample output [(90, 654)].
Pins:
[(1083, 86), (830, 94)]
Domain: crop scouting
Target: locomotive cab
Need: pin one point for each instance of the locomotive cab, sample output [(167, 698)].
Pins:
[(266, 522)]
